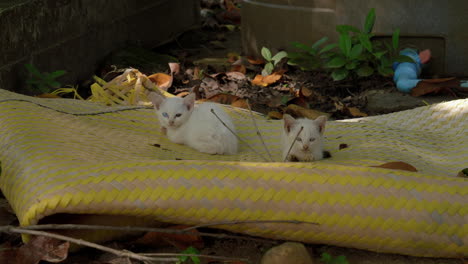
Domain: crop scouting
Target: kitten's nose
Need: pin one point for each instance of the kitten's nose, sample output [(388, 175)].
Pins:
[(305, 147), (171, 122)]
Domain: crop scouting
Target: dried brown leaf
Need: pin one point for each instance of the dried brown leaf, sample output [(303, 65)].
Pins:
[(354, 111), (300, 101), (233, 57), (238, 68), (228, 99), (397, 165), (235, 75), (298, 111), (261, 80), (306, 92), (255, 61), (41, 248), (162, 80), (275, 115), (428, 86)]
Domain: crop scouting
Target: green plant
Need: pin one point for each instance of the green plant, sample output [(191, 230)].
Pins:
[(45, 81), (189, 251), (310, 57), (329, 259), (271, 61), (359, 56)]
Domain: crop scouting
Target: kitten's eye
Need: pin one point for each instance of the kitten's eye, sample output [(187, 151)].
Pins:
[(165, 115), (312, 139), (299, 139), (178, 115)]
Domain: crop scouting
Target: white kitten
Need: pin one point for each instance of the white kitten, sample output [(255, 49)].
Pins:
[(195, 126), (309, 144)]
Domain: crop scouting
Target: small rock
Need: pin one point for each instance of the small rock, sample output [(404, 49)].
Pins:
[(289, 252)]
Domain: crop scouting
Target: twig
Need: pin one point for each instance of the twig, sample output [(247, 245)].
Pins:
[(249, 222), (258, 131), (81, 242), (240, 139), (292, 144), (192, 255), (138, 229)]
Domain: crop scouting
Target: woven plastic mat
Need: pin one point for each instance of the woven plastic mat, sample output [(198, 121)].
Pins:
[(68, 159)]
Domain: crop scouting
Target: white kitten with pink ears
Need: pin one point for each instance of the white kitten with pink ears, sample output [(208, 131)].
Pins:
[(195, 126), (308, 146)]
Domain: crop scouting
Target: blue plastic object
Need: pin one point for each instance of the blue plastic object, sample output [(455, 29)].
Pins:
[(407, 73)]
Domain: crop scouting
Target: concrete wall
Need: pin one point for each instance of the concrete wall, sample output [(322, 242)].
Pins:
[(438, 25), (75, 35)]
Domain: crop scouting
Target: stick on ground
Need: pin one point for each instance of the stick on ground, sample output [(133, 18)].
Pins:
[(258, 131), (240, 139), (292, 144)]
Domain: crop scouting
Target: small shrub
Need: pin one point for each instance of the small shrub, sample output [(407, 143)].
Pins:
[(358, 55), (329, 259), (310, 57), (355, 54), (271, 61), (45, 81), (191, 251)]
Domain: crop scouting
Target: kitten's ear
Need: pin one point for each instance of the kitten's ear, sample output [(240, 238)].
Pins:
[(189, 101), (157, 99), (321, 120), (289, 122)]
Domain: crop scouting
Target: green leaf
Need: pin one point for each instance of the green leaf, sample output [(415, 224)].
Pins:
[(33, 70), (341, 260), (327, 48), (54, 84), (386, 62), (325, 258), (268, 69), (356, 50), (385, 71), (352, 65), (364, 39), (370, 20), (266, 53), (364, 71), (301, 46), (344, 29), (403, 58), (43, 88), (396, 39), (379, 54), (345, 44), (319, 43), (191, 251), (279, 56), (339, 74), (336, 62), (56, 74)]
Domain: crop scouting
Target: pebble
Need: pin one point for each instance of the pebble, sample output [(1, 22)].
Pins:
[(289, 252)]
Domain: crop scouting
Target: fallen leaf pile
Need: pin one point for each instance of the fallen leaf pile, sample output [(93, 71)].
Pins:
[(37, 249)]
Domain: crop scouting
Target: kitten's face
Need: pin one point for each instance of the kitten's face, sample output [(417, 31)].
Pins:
[(309, 138), (173, 112)]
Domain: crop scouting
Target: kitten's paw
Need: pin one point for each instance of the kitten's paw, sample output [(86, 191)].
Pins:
[(164, 130)]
